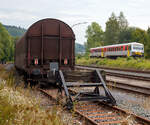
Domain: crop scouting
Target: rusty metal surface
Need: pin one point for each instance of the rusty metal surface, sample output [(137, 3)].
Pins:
[(49, 40), (97, 113)]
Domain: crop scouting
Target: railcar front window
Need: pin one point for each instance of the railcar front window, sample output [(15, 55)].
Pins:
[(137, 48)]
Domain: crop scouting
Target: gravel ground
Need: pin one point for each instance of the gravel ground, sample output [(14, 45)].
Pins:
[(9, 66), (136, 103)]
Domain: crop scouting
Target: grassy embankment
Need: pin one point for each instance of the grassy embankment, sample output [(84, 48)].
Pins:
[(138, 63), (18, 107)]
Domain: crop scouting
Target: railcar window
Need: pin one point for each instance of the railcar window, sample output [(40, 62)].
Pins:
[(137, 48)]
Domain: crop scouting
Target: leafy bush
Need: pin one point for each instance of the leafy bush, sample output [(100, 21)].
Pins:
[(130, 62)]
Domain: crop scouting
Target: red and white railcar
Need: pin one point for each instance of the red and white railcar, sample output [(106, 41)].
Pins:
[(118, 50)]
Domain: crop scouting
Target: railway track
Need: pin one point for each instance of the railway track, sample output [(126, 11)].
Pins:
[(126, 73), (96, 113), (126, 85), (129, 87)]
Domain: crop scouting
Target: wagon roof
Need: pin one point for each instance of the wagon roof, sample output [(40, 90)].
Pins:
[(49, 26)]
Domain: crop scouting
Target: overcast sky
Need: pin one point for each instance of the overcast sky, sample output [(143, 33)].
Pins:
[(25, 12)]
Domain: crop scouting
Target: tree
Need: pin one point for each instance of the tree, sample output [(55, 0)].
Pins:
[(124, 30), (94, 35), (147, 47), (123, 23), (125, 36), (142, 36), (112, 30), (148, 31), (5, 44)]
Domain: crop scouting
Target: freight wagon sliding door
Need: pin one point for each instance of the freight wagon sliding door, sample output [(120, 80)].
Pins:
[(50, 34), (51, 48), (66, 46), (35, 49), (66, 51)]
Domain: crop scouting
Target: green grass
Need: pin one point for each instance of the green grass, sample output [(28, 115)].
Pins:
[(138, 63)]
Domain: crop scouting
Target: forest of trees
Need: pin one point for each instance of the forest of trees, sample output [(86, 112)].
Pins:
[(8, 36), (6, 45), (15, 31), (117, 31)]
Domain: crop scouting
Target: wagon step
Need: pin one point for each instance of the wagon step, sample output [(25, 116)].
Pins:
[(75, 84)]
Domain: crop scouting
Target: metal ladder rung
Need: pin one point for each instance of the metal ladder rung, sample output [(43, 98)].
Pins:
[(75, 84), (96, 98)]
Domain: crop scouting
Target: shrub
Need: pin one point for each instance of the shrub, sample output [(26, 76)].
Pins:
[(129, 62)]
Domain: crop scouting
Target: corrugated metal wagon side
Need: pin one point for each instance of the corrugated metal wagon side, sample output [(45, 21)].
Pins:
[(45, 42)]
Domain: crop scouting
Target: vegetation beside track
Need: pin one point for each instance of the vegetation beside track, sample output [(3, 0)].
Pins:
[(18, 107), (137, 63)]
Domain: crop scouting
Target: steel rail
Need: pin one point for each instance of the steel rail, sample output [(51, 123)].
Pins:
[(132, 74), (129, 87), (118, 69)]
